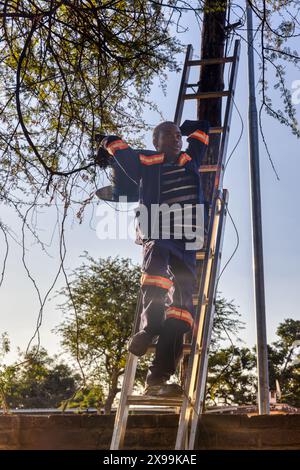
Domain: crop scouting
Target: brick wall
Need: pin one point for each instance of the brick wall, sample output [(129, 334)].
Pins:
[(148, 432)]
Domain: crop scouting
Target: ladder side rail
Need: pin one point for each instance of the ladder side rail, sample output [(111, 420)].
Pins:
[(219, 181), (183, 85), (120, 424), (227, 115), (206, 335), (183, 420), (208, 326), (195, 347), (127, 386)]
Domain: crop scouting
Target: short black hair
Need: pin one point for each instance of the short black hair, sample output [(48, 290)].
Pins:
[(160, 127)]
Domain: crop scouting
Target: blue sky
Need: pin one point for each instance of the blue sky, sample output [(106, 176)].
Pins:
[(281, 228)]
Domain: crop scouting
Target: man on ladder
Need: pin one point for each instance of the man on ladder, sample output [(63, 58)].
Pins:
[(168, 179)]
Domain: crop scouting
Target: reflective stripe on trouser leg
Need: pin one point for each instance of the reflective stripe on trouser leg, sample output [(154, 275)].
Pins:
[(159, 281), (155, 285), (180, 314)]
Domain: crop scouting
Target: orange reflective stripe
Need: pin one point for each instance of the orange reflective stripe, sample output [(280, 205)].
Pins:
[(152, 159), (200, 135), (179, 314), (116, 145), (159, 281), (183, 159)]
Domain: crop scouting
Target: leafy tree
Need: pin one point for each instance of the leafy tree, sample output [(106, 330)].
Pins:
[(278, 25), (284, 365), (231, 377), (227, 322), (42, 381), (232, 371), (103, 297), (68, 71), (4, 370), (90, 396), (72, 69), (36, 381)]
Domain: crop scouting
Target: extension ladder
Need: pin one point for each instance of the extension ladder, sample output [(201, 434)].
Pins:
[(208, 267)]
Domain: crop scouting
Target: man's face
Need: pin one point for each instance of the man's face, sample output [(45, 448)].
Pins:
[(169, 140)]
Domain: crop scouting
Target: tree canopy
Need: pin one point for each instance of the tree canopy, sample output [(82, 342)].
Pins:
[(232, 376), (36, 380), (99, 313), (70, 70)]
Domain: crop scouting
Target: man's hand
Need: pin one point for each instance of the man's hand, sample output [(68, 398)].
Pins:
[(102, 156), (188, 127)]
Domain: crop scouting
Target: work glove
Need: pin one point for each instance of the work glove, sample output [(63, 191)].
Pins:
[(188, 127), (102, 157)]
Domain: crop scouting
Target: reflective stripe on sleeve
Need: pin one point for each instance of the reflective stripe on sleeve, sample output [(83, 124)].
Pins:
[(200, 135), (116, 145)]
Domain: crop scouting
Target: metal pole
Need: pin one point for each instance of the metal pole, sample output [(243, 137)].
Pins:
[(258, 261)]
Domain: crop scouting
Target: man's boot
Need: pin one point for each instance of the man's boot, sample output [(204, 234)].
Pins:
[(140, 343)]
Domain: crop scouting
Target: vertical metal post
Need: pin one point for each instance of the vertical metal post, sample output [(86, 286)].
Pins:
[(258, 262)]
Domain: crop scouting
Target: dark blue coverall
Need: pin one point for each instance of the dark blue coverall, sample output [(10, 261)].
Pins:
[(168, 268)]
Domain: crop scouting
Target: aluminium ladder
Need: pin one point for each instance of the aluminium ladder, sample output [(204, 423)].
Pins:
[(208, 264)]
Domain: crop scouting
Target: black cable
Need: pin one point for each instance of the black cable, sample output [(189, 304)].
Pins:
[(234, 251)]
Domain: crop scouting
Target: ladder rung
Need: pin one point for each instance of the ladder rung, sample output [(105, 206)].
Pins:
[(206, 95), (200, 254), (195, 301), (217, 60), (208, 168), (216, 130), (186, 348), (158, 401)]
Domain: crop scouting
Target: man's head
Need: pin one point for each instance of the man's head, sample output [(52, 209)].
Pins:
[(167, 138)]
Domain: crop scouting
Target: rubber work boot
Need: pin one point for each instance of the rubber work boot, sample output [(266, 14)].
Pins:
[(140, 343)]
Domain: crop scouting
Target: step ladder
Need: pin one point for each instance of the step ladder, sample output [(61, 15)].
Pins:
[(190, 406)]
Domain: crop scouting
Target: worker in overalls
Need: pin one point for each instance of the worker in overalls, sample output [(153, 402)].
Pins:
[(167, 177)]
